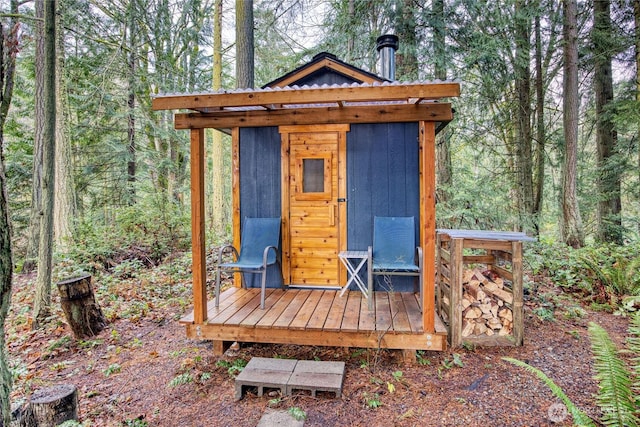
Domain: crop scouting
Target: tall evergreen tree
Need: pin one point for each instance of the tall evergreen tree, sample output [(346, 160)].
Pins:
[(42, 299), (33, 238), (609, 169), (571, 222), (8, 50), (64, 212), (244, 44)]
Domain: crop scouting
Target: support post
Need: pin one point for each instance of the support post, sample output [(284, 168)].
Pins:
[(427, 142), (518, 309), (456, 247), (197, 227)]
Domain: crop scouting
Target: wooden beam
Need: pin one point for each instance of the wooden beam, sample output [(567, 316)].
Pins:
[(427, 138), (436, 112), (313, 95), (367, 339), (197, 226)]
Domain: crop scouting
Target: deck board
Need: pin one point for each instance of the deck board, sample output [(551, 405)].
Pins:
[(383, 312), (231, 306), (399, 314), (319, 317), (306, 311), (277, 309), (322, 310), (367, 320), (352, 312), (336, 314), (413, 311), (292, 309)]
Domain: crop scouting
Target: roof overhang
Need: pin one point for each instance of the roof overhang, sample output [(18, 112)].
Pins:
[(291, 105)]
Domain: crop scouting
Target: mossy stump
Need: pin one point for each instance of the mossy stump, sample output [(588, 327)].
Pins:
[(80, 307)]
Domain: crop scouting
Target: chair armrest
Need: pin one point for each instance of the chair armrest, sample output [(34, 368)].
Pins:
[(224, 249), (265, 255)]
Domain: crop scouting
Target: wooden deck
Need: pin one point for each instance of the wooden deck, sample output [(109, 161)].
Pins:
[(318, 317)]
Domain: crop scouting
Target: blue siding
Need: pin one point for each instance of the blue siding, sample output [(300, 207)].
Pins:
[(260, 172), (382, 180)]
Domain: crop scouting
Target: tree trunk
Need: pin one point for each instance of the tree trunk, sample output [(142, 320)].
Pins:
[(33, 240), (8, 51), (523, 161), (407, 57), (51, 406), (540, 131), (217, 152), (609, 171), (444, 174), (244, 44), (42, 299), (65, 199), (80, 308), (131, 104), (571, 223), (636, 15)]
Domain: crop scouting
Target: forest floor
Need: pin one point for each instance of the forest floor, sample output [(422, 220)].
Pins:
[(142, 370)]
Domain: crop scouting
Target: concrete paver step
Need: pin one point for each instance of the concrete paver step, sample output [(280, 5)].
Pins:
[(290, 375)]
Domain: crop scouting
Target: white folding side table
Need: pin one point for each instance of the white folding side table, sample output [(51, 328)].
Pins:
[(354, 261)]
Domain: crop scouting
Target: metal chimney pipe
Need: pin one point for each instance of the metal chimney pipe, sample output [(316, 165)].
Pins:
[(387, 44)]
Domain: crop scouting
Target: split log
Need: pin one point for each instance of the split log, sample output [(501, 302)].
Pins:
[(51, 406), (80, 308)]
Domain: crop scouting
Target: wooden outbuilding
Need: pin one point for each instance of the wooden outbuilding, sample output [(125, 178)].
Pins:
[(372, 141)]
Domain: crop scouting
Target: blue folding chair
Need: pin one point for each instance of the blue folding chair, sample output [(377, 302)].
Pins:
[(393, 251), (258, 250)]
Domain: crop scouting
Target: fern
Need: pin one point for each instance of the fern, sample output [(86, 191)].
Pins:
[(615, 397), (634, 347), (579, 417)]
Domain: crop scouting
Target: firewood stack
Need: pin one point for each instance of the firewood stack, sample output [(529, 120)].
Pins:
[(486, 304)]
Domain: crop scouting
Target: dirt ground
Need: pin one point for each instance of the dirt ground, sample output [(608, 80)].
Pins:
[(142, 370)]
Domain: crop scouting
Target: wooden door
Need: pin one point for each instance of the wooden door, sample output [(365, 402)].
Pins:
[(314, 212)]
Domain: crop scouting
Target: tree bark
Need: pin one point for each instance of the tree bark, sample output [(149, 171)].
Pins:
[(540, 130), (407, 57), (8, 50), (65, 199), (571, 223), (217, 152), (244, 44), (80, 308), (636, 16), (42, 299), (444, 167), (33, 240), (523, 161), (609, 179), (131, 104), (51, 406)]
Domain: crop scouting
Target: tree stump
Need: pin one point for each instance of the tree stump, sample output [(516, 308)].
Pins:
[(51, 406), (80, 308)]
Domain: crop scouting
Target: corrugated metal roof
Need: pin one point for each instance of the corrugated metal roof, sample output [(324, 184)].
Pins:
[(302, 88)]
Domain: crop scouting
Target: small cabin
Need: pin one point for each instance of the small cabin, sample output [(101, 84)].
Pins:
[(369, 144)]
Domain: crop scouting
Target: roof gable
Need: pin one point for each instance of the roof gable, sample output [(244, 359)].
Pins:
[(325, 68)]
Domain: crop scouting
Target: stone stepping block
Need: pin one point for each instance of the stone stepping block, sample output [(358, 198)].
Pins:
[(317, 376), (264, 372)]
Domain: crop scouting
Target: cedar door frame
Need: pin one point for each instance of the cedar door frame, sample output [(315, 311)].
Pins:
[(342, 130)]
